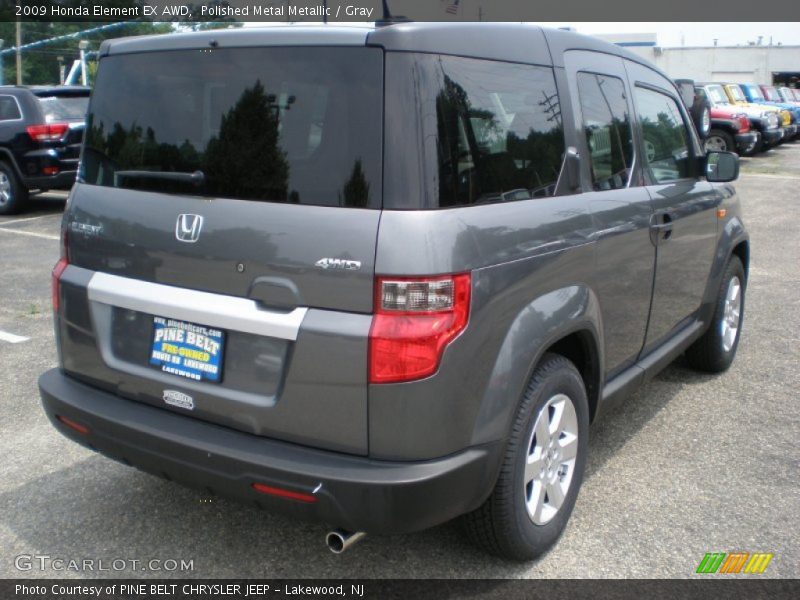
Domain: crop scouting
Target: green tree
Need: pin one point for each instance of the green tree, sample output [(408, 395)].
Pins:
[(246, 160)]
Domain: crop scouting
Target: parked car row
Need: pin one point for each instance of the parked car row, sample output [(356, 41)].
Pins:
[(748, 118), (41, 131)]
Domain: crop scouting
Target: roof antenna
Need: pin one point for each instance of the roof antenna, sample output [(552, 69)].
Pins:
[(388, 18)]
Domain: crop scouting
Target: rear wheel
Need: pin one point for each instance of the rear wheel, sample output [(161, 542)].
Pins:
[(715, 351), (13, 195), (720, 141), (543, 467)]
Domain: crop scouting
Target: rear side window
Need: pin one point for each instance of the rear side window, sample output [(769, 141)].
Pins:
[(294, 125), (607, 126), (474, 131), (64, 108), (9, 109), (666, 140)]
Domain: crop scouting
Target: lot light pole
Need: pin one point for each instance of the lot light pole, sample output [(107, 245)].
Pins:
[(2, 43)]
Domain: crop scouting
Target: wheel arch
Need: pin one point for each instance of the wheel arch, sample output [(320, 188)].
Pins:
[(7, 157), (742, 250), (567, 322)]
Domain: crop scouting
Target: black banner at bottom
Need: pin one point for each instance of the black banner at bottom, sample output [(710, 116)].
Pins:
[(352, 589)]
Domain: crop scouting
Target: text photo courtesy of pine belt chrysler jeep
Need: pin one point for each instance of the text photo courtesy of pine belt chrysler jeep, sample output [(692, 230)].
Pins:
[(385, 277)]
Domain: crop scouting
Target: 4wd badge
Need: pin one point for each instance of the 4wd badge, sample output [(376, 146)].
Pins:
[(338, 263)]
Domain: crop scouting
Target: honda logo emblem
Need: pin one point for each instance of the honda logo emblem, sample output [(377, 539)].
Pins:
[(188, 227)]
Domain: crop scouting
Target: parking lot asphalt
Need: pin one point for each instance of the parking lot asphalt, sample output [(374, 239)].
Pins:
[(690, 464)]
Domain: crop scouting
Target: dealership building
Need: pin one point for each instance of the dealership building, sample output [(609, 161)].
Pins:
[(739, 64)]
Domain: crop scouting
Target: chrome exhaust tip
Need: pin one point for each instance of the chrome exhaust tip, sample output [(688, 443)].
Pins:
[(340, 540)]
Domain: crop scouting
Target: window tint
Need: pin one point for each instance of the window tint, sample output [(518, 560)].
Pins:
[(9, 109), (297, 125), (666, 141), (464, 131), (64, 108), (606, 124), (498, 131)]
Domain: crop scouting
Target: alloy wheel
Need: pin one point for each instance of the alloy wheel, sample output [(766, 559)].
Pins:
[(716, 143), (5, 189), (550, 464), (732, 312)]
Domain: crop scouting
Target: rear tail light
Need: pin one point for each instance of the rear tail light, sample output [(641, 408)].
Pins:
[(50, 170), (58, 271), (415, 319), (49, 132)]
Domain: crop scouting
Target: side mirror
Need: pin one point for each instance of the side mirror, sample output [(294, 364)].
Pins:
[(722, 167)]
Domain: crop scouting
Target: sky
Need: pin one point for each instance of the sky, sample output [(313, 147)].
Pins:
[(699, 34)]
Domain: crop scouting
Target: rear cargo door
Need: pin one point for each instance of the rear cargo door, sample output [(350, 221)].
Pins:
[(68, 106), (226, 218)]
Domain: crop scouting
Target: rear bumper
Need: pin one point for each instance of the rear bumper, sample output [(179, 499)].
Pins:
[(62, 181), (354, 493)]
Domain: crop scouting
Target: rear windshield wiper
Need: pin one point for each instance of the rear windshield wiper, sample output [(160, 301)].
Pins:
[(196, 178)]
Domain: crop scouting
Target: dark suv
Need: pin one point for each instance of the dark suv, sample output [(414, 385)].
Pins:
[(41, 129), (385, 277)]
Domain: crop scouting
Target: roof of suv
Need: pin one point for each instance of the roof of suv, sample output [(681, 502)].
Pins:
[(49, 90), (513, 42)]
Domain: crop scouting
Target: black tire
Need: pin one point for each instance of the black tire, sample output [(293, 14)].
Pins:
[(502, 525), (761, 146), (13, 195), (725, 139), (710, 353)]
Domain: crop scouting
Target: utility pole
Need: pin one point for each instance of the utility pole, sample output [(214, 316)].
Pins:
[(19, 52), (2, 43)]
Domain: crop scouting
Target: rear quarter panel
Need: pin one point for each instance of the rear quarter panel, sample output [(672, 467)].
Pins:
[(532, 264)]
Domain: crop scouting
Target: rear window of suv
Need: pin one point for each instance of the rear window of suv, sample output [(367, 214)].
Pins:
[(64, 108), (294, 125)]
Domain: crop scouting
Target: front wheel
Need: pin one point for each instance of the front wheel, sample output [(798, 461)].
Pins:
[(543, 467), (715, 351), (720, 141)]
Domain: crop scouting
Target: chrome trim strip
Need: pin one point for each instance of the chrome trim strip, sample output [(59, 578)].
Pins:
[(203, 308)]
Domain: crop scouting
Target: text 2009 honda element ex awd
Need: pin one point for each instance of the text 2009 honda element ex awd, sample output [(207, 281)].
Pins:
[(385, 277)]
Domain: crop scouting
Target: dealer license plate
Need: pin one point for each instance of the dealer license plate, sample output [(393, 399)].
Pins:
[(187, 350)]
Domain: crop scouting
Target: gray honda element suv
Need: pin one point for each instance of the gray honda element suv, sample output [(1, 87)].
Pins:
[(385, 277)]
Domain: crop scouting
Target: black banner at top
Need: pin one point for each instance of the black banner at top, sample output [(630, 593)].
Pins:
[(374, 10)]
